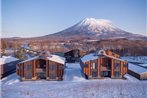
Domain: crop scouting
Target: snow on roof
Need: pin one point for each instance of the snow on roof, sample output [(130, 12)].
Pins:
[(30, 59), (115, 58), (57, 59), (54, 58), (7, 59), (89, 57), (92, 56), (140, 59), (137, 69)]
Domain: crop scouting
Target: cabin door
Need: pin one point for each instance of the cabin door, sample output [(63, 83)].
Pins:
[(52, 71), (28, 71), (41, 69), (106, 74)]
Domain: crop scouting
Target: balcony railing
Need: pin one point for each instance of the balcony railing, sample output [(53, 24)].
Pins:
[(105, 68), (40, 70)]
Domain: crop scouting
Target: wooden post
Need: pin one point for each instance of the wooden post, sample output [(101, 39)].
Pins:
[(89, 63), (112, 68), (121, 70), (34, 65), (99, 68)]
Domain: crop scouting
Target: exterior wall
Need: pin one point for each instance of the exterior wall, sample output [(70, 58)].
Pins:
[(8, 68), (22, 72), (58, 72), (74, 55)]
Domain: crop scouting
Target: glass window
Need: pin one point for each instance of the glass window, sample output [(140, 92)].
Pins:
[(117, 66), (117, 74), (94, 65), (28, 71)]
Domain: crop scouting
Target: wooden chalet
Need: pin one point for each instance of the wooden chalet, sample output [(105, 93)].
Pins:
[(103, 64), (45, 66), (73, 55)]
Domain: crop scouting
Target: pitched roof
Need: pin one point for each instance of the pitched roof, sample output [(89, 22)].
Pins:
[(89, 57), (54, 58), (93, 56), (57, 59)]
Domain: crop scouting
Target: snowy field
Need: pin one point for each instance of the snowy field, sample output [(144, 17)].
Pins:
[(139, 59), (74, 85)]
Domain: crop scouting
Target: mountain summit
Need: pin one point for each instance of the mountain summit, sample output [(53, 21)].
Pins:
[(95, 29)]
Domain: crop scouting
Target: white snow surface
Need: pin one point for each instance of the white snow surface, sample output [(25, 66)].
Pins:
[(7, 59), (73, 72), (144, 65), (139, 59), (136, 68), (73, 87), (88, 57), (54, 58), (92, 56), (57, 59)]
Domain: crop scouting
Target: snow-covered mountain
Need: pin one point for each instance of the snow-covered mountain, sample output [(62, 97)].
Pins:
[(96, 29)]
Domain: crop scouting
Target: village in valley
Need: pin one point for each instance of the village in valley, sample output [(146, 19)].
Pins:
[(92, 58)]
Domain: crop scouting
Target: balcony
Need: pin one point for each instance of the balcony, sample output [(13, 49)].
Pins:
[(40, 70), (105, 68)]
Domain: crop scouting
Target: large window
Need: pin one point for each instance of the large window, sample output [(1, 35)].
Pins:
[(117, 74), (28, 71), (94, 65), (52, 67), (117, 65), (41, 64), (52, 71)]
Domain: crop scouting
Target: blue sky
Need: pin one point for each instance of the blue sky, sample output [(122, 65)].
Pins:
[(30, 18)]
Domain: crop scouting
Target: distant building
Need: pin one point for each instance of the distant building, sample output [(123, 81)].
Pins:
[(45, 66), (7, 65), (73, 55), (103, 64), (9, 52), (137, 71)]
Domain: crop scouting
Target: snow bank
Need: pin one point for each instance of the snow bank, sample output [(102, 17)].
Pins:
[(131, 78), (73, 72)]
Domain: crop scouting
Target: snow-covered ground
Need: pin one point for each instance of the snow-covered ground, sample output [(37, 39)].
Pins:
[(139, 59), (74, 85), (144, 65), (73, 72)]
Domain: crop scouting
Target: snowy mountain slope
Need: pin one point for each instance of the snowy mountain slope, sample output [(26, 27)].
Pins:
[(96, 29)]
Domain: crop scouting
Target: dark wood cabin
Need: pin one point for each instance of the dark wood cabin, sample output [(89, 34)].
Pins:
[(103, 64), (50, 68), (73, 55), (7, 65)]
